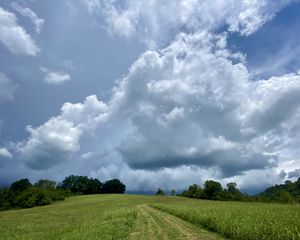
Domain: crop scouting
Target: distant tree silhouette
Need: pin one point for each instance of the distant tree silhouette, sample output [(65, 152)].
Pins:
[(81, 184), (173, 192), (113, 186), (160, 192)]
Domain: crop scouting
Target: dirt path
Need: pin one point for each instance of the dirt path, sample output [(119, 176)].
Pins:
[(154, 224)]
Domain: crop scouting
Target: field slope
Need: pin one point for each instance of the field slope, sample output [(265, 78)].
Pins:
[(150, 217), (98, 217)]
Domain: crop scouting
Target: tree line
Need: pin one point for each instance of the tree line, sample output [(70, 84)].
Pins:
[(289, 192), (23, 194)]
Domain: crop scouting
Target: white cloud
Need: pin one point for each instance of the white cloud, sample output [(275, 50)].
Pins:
[(5, 153), (7, 88), (57, 140), (157, 22), (14, 37), (27, 12), (187, 110), (55, 78), (94, 155), (50, 143), (148, 181), (190, 105)]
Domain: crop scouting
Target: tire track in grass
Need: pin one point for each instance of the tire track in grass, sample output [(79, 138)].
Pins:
[(147, 227), (154, 224)]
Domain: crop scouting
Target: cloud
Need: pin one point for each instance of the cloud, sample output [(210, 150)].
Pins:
[(27, 12), (7, 88), (148, 181), (185, 112), (294, 174), (5, 153), (55, 78), (14, 37), (191, 105), (50, 143), (57, 140), (185, 104), (155, 22), (94, 155)]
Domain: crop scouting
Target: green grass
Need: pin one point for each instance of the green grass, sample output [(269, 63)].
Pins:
[(238, 220), (130, 217), (81, 217)]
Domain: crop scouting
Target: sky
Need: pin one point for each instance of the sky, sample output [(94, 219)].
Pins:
[(155, 93)]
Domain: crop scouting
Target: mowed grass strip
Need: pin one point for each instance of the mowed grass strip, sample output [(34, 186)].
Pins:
[(153, 224), (237, 220)]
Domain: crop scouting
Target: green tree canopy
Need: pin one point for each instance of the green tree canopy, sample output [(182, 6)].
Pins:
[(160, 192), (212, 189), (81, 184), (113, 186), (20, 185), (46, 184)]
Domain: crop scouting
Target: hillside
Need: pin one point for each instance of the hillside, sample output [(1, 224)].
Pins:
[(151, 217), (287, 192)]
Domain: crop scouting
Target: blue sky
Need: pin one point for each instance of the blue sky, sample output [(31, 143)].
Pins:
[(158, 95)]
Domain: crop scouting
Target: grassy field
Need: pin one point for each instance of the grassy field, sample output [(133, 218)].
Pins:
[(150, 217), (238, 220)]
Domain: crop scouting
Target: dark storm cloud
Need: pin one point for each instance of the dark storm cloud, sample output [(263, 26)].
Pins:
[(294, 174)]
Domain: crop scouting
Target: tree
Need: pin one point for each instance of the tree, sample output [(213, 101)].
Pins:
[(232, 192), (173, 192), (198, 193), (81, 184), (94, 186), (232, 187), (46, 184), (289, 192), (212, 189), (68, 183), (113, 186), (194, 191), (284, 197), (160, 192), (4, 198), (33, 197), (20, 185)]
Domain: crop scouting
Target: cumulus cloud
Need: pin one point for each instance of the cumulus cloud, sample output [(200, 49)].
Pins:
[(14, 37), (55, 78), (155, 22), (190, 105), (5, 153), (185, 112), (57, 140), (27, 12), (147, 181), (7, 88), (50, 143)]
